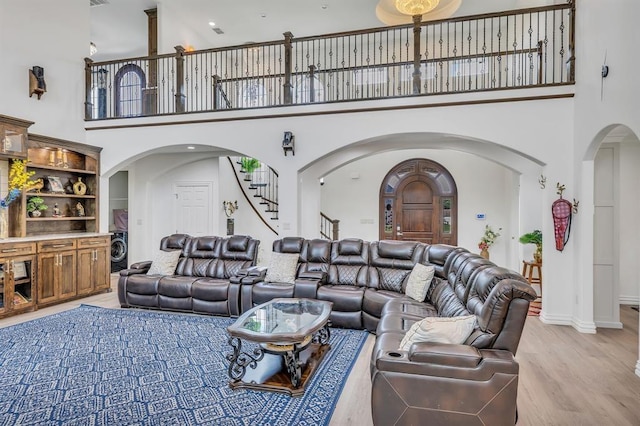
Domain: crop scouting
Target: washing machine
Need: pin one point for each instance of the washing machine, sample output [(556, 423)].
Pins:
[(119, 251), (120, 240)]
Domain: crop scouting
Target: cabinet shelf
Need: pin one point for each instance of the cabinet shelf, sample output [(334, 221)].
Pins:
[(60, 169), (56, 219), (22, 281), (58, 195)]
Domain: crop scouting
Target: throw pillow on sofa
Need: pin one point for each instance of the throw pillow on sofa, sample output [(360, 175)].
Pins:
[(282, 268), (454, 330), (164, 263), (419, 281)]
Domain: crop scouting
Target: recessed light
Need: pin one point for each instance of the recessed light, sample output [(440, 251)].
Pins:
[(212, 24), (263, 15), (325, 6), (191, 147)]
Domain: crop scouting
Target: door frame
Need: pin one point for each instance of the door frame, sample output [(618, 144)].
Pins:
[(438, 178)]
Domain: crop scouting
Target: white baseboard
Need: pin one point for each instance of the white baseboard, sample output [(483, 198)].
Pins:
[(638, 368), (554, 319), (609, 324), (629, 300), (587, 327)]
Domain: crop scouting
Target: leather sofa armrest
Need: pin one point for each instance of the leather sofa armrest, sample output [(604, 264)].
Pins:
[(450, 361), (439, 353), (312, 275), (307, 284), (249, 276), (133, 271), (141, 265)]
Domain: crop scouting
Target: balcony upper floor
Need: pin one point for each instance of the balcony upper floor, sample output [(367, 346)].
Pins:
[(527, 48)]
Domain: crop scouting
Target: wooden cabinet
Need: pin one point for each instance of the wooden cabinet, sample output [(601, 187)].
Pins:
[(93, 264), (56, 270), (58, 255), (17, 289), (13, 137), (68, 173)]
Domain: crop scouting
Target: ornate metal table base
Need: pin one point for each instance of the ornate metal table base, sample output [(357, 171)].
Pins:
[(290, 380)]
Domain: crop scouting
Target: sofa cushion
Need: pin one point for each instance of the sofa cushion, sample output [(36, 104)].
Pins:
[(238, 243), (164, 263), (419, 281), (282, 268), (396, 249), (350, 247), (453, 330)]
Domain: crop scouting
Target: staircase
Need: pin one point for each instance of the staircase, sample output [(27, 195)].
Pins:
[(260, 187)]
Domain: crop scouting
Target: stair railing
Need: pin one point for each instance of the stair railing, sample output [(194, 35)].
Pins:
[(263, 182), (329, 228)]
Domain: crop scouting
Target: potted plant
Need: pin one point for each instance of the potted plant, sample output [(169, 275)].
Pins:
[(534, 237), (487, 240), (35, 206), (249, 164)]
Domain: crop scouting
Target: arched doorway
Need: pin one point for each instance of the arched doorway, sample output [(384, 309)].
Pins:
[(419, 202)]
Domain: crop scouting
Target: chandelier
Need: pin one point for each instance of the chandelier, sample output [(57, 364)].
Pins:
[(416, 7)]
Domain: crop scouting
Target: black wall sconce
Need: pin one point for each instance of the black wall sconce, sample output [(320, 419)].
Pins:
[(288, 143), (37, 84)]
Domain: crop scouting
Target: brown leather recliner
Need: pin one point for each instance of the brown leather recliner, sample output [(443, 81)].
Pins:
[(204, 280), (472, 383)]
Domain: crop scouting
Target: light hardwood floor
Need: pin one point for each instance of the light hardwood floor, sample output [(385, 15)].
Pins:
[(566, 378)]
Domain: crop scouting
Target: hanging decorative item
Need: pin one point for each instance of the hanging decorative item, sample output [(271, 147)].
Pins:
[(542, 180), (562, 211), (230, 207)]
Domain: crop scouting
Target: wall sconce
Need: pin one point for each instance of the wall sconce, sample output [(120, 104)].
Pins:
[(288, 143), (230, 207), (37, 84)]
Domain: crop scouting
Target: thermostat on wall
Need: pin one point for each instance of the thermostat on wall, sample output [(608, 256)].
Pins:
[(480, 216)]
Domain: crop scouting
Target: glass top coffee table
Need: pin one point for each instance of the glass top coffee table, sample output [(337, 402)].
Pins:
[(293, 332)]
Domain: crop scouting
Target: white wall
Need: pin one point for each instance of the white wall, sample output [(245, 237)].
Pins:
[(483, 187), (629, 208), (151, 197), (55, 36)]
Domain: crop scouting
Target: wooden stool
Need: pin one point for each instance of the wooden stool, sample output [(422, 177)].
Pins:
[(527, 272)]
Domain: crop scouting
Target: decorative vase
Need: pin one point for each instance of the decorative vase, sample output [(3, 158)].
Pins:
[(484, 253), (4, 223), (537, 256), (79, 188), (36, 213)]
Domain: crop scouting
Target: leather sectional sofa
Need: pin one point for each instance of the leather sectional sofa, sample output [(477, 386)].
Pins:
[(202, 282), (430, 383)]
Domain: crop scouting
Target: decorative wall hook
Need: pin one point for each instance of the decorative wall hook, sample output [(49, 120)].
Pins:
[(230, 207), (575, 206), (542, 180), (560, 189)]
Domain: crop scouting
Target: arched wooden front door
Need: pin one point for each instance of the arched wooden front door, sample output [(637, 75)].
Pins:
[(418, 202)]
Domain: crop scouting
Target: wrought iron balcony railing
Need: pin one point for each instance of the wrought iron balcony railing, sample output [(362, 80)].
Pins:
[(515, 49)]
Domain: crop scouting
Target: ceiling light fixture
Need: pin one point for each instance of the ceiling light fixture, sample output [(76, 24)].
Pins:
[(191, 147), (92, 49), (416, 7), (212, 24)]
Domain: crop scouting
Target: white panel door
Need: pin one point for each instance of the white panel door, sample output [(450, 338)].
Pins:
[(605, 284), (192, 210)]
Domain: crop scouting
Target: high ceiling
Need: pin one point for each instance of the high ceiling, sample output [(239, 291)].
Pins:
[(119, 27)]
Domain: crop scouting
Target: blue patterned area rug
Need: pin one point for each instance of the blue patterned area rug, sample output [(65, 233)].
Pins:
[(97, 366)]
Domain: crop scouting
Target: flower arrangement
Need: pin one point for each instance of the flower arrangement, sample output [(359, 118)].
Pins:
[(489, 238), (19, 179)]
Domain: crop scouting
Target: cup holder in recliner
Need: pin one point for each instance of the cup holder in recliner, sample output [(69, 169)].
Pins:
[(395, 354)]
